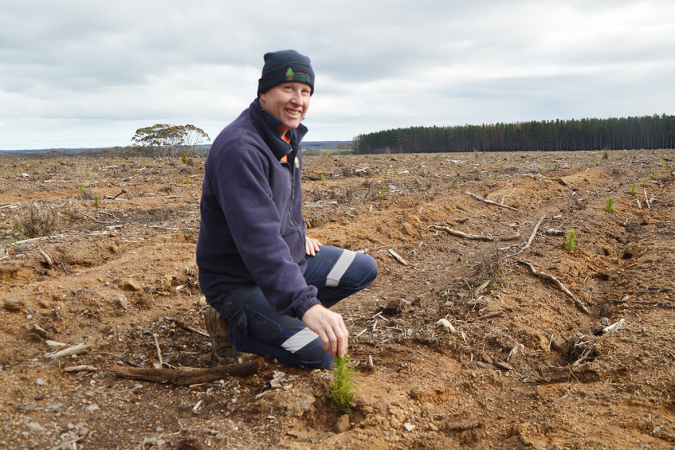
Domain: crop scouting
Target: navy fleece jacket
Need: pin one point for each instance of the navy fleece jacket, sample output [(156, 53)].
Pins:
[(252, 230)]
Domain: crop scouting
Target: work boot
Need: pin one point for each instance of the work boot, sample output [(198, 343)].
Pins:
[(219, 330)]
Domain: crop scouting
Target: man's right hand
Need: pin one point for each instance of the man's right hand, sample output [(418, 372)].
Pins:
[(330, 327)]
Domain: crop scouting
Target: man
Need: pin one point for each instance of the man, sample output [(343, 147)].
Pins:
[(268, 285)]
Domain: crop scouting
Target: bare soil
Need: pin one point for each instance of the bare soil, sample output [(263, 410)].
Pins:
[(525, 367)]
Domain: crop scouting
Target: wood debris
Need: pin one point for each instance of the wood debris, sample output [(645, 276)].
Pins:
[(397, 257), (578, 302), (490, 202), (186, 376), (476, 237)]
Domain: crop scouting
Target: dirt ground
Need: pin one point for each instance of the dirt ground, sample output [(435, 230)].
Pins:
[(516, 364)]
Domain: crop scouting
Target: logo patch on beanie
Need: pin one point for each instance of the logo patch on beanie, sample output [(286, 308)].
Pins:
[(298, 76)]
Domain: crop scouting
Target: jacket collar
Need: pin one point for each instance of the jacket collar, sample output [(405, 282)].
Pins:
[(272, 138)]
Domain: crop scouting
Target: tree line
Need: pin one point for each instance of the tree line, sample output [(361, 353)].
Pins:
[(648, 132)]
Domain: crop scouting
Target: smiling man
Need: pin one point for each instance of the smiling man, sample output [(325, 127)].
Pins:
[(268, 285)]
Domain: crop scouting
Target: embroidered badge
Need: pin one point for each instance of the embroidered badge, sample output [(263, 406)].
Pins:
[(297, 162), (297, 76)]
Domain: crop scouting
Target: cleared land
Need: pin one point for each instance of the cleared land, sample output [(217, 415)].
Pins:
[(521, 365)]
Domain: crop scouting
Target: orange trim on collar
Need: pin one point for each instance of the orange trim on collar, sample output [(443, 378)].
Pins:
[(284, 159), (286, 138)]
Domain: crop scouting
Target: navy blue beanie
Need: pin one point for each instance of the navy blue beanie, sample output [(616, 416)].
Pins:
[(283, 66)]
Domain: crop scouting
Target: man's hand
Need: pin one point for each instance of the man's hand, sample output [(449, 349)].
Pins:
[(312, 246), (330, 327)]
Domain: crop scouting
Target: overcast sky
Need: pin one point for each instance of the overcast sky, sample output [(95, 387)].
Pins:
[(89, 73)]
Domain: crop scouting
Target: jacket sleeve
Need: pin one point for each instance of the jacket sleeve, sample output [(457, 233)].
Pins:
[(242, 188)]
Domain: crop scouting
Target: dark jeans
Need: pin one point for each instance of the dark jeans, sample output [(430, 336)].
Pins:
[(256, 328)]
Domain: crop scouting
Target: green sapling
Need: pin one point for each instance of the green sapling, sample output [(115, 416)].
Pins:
[(609, 207), (569, 244)]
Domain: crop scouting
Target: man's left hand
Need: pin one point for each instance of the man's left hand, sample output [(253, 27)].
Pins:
[(313, 246)]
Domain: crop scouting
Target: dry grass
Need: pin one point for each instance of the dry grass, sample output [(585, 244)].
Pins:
[(40, 220)]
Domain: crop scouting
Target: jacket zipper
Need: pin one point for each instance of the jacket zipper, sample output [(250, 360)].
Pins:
[(290, 204)]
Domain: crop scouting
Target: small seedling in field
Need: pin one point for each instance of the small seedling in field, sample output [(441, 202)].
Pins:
[(81, 188), (654, 175), (188, 180), (632, 190), (184, 158), (384, 188), (457, 169), (341, 390), (42, 176), (569, 244), (555, 167), (87, 175), (644, 183), (454, 182), (170, 173), (541, 172), (609, 207), (133, 172), (385, 174), (479, 167), (422, 171), (496, 176), (323, 179), (95, 200)]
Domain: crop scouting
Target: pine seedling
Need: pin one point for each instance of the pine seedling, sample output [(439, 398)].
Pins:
[(385, 174), (496, 176), (87, 175), (42, 176), (422, 171), (454, 182), (457, 168), (609, 207), (555, 167), (170, 173), (184, 158), (382, 191), (632, 190), (569, 244), (81, 188), (341, 390), (95, 200), (188, 180), (323, 179), (133, 172), (644, 183), (654, 175)]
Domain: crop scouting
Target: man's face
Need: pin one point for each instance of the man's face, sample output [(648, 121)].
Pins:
[(287, 102)]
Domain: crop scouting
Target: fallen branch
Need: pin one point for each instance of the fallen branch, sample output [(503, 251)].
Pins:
[(70, 444), (159, 351), (476, 237), (529, 241), (397, 257), (578, 302), (74, 350), (490, 202), (489, 315), (186, 376), (181, 325), (37, 239)]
